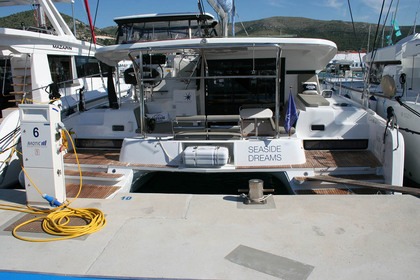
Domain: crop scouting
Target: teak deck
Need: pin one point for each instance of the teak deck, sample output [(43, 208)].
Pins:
[(314, 159)]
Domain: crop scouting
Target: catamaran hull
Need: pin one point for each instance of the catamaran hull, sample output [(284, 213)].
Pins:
[(10, 162)]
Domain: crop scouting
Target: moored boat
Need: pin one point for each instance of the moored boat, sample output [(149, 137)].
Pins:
[(391, 89), (208, 104), (46, 63)]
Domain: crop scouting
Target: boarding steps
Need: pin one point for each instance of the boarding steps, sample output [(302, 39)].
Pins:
[(97, 182), (21, 74)]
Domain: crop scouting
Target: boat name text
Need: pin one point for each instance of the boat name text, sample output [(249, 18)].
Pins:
[(62, 47), (264, 153)]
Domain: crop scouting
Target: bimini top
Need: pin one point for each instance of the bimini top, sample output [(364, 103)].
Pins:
[(166, 17), (158, 27), (302, 53)]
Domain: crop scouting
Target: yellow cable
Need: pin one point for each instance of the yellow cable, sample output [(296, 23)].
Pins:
[(57, 221), (78, 166)]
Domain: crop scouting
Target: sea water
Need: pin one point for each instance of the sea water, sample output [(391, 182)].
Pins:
[(205, 183)]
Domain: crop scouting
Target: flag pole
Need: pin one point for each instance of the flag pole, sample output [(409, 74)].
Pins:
[(290, 91), (277, 90), (291, 114)]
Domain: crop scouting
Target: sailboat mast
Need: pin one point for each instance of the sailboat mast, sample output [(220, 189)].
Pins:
[(42, 22), (415, 18), (74, 19), (92, 28)]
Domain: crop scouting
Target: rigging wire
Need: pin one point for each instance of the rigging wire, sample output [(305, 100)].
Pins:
[(355, 35), (375, 38), (413, 111), (99, 64), (96, 13), (384, 24), (396, 10), (201, 7), (415, 19), (375, 48), (243, 26)]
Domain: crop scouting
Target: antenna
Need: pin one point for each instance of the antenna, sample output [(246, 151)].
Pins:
[(200, 7), (415, 18)]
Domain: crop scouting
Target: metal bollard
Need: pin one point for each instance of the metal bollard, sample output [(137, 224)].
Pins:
[(256, 190)]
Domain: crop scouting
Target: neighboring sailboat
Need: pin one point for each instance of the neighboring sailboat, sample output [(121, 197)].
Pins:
[(393, 91), (46, 63)]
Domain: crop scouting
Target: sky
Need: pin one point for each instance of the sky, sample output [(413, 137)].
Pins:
[(246, 10)]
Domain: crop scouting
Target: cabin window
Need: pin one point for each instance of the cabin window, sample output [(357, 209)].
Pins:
[(164, 30), (5, 77), (88, 66), (60, 68), (153, 31), (226, 95)]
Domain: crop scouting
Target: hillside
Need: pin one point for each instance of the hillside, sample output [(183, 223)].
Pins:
[(26, 19), (340, 32)]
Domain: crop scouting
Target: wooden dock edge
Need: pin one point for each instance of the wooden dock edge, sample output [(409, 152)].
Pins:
[(377, 186)]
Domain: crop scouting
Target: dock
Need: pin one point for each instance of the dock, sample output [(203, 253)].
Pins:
[(184, 236)]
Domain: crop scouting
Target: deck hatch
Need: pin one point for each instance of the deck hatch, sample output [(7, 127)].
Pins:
[(98, 143), (319, 127), (118, 128), (348, 144)]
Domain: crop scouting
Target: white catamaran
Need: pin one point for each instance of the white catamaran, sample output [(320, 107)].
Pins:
[(207, 104)]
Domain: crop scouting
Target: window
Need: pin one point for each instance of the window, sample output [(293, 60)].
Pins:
[(88, 66), (60, 68), (225, 96), (5, 77)]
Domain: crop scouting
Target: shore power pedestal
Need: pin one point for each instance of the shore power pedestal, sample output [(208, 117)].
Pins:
[(42, 154)]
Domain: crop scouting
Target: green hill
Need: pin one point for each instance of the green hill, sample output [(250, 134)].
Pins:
[(27, 19), (340, 32)]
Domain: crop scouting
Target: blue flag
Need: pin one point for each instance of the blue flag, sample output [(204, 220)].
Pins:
[(291, 114)]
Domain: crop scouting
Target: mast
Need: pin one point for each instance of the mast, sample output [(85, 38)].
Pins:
[(92, 28), (60, 26), (41, 21), (415, 18), (74, 20)]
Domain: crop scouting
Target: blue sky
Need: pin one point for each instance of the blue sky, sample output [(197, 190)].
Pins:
[(363, 10)]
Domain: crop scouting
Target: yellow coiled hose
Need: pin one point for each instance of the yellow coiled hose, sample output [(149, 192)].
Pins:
[(57, 221)]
